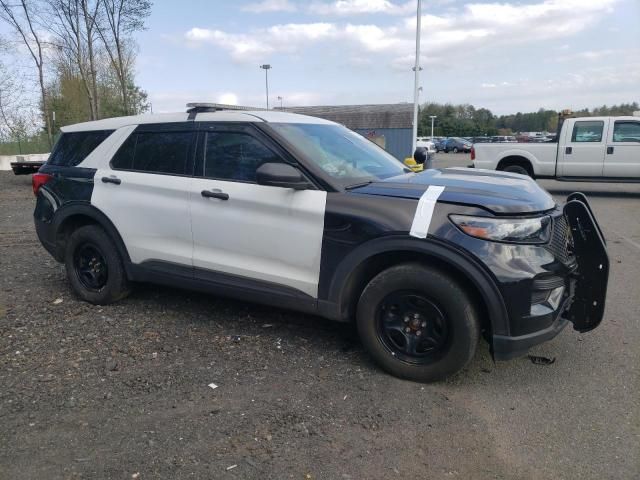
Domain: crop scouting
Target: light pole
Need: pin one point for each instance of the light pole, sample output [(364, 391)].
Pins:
[(416, 70), (266, 67), (281, 99), (432, 117)]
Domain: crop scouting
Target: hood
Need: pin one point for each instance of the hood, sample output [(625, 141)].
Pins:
[(500, 192)]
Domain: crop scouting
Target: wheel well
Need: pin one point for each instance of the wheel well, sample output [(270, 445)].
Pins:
[(76, 220), (367, 270), (516, 160), (67, 227)]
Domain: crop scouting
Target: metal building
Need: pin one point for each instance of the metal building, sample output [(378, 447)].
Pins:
[(388, 125)]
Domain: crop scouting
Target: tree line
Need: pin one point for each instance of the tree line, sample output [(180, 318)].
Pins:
[(468, 121), (78, 55)]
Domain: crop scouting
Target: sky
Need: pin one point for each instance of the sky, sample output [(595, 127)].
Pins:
[(508, 55)]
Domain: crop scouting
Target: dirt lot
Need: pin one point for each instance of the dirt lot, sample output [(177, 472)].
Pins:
[(122, 391)]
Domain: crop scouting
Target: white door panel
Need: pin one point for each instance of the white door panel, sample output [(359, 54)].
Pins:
[(582, 151), (151, 213), (261, 232), (623, 150)]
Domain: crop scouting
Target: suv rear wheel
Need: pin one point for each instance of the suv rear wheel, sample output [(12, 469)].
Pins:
[(94, 266), (417, 323)]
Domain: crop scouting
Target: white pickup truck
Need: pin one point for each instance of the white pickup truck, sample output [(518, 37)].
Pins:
[(587, 149)]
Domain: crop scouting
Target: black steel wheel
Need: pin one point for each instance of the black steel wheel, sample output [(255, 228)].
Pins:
[(94, 266), (417, 322), (412, 327), (91, 267)]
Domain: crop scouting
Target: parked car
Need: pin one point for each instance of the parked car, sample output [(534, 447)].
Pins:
[(481, 140), (589, 148), (302, 213), (427, 144), (455, 145), (503, 139)]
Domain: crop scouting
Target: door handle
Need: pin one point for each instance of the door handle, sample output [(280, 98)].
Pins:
[(609, 150), (114, 180), (568, 150), (215, 194)]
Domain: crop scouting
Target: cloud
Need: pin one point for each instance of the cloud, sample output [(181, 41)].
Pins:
[(257, 45), (460, 32), (270, 6), (354, 7)]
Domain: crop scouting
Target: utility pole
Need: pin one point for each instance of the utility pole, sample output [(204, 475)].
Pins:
[(416, 70), (432, 117), (266, 67), (281, 99)]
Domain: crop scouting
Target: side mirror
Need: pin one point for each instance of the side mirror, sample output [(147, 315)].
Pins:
[(281, 175)]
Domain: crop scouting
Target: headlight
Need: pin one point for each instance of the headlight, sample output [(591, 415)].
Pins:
[(512, 230)]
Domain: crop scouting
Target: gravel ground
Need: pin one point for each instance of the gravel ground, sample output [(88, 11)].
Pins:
[(123, 391)]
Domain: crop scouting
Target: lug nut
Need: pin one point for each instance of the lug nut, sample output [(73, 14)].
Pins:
[(406, 319), (407, 330), (418, 333), (424, 324)]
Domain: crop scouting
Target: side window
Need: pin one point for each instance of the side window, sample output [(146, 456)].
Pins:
[(590, 131), (73, 147), (625, 131), (235, 156), (154, 152)]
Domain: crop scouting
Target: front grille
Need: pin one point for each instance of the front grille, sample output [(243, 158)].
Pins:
[(561, 242)]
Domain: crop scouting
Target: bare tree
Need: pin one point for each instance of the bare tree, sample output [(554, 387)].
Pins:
[(121, 19), (17, 115), (75, 29), (20, 16)]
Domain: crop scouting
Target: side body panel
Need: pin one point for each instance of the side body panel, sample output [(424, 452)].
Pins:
[(580, 159), (150, 211), (541, 156), (622, 159), (261, 232)]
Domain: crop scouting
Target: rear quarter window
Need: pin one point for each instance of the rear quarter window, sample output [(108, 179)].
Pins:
[(73, 147)]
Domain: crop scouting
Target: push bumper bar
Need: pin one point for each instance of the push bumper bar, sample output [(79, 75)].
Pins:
[(588, 283)]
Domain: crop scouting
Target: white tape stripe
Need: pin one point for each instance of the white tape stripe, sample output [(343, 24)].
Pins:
[(424, 211)]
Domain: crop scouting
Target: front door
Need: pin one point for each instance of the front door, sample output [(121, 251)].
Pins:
[(144, 191), (623, 150), (256, 232), (584, 146)]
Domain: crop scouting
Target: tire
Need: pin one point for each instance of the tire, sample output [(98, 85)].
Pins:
[(517, 169), (459, 329), (94, 266), (455, 149)]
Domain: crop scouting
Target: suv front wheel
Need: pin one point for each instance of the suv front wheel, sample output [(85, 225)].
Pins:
[(418, 323), (94, 266)]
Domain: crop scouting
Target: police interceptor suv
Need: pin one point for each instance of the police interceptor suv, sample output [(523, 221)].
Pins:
[(303, 213)]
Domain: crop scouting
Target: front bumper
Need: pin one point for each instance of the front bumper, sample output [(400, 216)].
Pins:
[(584, 280)]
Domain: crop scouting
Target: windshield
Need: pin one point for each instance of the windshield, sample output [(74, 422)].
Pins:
[(341, 153)]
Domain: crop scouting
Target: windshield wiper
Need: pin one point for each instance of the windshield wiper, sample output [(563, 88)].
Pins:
[(358, 185)]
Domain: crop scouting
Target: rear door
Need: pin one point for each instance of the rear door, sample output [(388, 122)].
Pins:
[(260, 233), (622, 159), (145, 192), (582, 151)]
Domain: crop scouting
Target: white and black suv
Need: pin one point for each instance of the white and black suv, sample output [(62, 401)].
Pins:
[(303, 213)]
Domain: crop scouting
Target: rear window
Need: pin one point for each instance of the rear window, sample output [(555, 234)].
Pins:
[(154, 152), (587, 132), (73, 147)]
